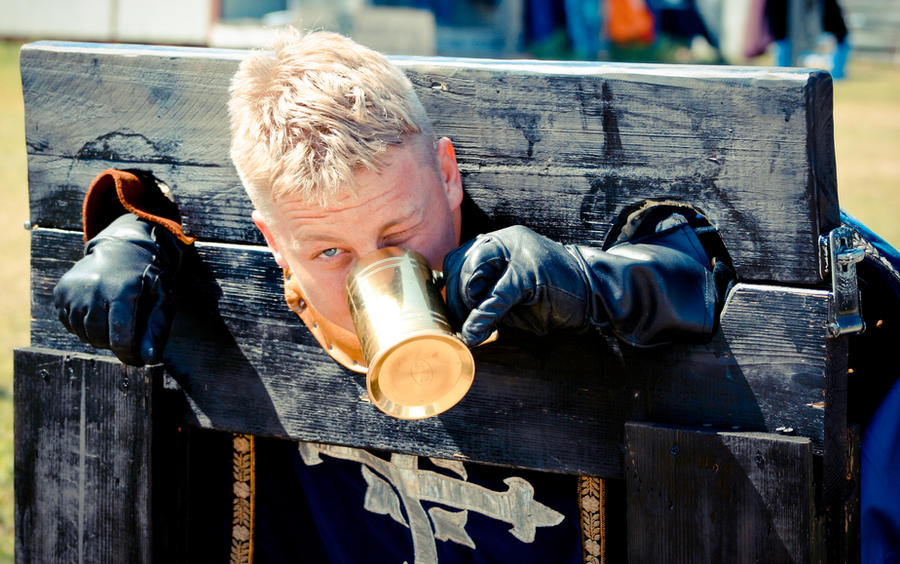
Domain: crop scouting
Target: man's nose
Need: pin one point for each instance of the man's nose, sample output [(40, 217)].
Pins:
[(368, 249)]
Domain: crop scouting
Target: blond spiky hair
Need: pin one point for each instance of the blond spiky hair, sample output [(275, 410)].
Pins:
[(313, 111)]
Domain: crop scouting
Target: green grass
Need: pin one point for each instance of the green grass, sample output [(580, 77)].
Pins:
[(867, 146), (867, 142), (14, 297)]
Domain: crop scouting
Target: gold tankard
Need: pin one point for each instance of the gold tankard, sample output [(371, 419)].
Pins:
[(417, 366)]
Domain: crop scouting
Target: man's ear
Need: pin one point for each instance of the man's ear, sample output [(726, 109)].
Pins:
[(449, 169), (263, 227)]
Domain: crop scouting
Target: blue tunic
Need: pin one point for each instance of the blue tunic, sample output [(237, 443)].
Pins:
[(875, 398)]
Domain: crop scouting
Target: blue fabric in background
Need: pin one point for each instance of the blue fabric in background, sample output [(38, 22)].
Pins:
[(884, 248), (584, 22), (880, 484), (543, 18), (875, 400)]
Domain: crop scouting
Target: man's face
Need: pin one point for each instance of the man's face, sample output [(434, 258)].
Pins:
[(409, 203)]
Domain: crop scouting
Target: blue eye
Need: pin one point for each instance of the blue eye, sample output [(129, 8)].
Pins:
[(328, 253)]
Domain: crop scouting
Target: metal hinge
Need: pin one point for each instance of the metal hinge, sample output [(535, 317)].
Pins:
[(838, 258)]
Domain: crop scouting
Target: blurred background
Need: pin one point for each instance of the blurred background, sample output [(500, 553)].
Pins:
[(858, 41)]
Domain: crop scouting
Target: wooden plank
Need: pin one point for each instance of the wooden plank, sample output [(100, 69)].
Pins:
[(849, 545), (192, 484), (698, 496), (82, 458), (247, 364), (565, 148), (840, 465)]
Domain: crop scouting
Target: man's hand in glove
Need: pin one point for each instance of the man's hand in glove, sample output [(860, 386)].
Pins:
[(649, 291), (118, 296)]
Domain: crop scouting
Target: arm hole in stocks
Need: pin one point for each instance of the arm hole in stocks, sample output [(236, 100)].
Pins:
[(647, 216), (642, 218)]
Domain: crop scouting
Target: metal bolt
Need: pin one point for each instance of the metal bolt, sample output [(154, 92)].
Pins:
[(674, 450), (69, 371), (44, 375), (124, 384)]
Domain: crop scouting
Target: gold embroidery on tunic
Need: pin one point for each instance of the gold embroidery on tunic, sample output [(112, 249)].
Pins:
[(401, 481), (244, 505), (592, 505)]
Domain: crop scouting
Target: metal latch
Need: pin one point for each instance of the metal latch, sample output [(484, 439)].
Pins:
[(838, 258)]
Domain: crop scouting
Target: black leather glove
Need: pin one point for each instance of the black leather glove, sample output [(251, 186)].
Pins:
[(649, 291), (118, 296)]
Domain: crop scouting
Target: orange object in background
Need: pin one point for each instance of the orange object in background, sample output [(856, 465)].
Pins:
[(629, 21)]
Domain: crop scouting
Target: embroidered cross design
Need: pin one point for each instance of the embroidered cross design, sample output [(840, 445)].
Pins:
[(400, 480)]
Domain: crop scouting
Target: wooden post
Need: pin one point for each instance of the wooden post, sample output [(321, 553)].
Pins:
[(82, 458), (704, 496)]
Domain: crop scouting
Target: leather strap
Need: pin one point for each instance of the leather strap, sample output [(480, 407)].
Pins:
[(115, 192), (342, 345)]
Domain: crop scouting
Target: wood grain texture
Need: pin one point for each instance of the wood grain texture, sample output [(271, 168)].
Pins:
[(565, 148), (719, 497), (82, 458), (840, 464), (247, 364)]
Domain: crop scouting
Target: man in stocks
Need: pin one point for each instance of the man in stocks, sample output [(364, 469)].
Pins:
[(339, 159)]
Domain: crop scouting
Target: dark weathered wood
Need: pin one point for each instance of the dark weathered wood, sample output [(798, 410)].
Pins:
[(566, 148), (192, 484), (839, 469), (170, 474), (698, 496), (82, 458), (247, 364), (850, 510)]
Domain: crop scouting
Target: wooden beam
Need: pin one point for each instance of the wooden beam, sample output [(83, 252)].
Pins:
[(247, 364), (82, 458), (568, 149), (696, 496)]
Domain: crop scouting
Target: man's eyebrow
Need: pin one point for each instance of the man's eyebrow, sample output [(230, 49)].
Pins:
[(407, 223), (314, 236), (411, 221)]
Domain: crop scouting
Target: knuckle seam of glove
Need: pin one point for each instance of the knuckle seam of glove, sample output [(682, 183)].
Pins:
[(498, 264), (147, 285), (558, 289)]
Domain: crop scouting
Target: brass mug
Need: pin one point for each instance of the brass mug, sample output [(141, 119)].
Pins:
[(417, 366)]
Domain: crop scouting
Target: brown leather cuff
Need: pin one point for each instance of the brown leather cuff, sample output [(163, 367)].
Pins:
[(342, 345), (115, 192)]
